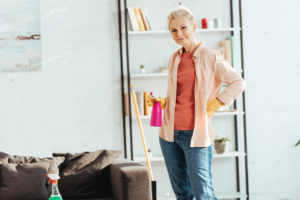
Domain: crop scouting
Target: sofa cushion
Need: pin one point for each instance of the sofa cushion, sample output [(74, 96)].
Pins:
[(24, 181), (3, 157), (86, 175)]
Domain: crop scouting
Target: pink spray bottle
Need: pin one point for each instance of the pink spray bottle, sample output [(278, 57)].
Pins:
[(156, 114)]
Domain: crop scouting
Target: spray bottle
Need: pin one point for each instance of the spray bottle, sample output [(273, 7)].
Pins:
[(156, 114), (55, 192)]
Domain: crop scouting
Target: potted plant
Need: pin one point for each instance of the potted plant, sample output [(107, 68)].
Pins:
[(142, 69), (222, 144)]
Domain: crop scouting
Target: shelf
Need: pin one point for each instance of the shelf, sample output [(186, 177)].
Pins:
[(148, 75), (218, 113), (141, 117), (154, 75), (142, 159), (233, 195), (167, 32), (225, 113), (229, 154)]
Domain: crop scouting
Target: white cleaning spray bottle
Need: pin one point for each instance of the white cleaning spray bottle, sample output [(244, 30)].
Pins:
[(55, 191)]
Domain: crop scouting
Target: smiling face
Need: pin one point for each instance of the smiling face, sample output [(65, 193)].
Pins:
[(182, 31)]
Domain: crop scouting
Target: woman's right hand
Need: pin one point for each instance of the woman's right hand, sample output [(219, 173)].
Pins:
[(162, 102), (151, 101)]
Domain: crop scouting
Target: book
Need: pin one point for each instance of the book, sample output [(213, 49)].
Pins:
[(147, 28), (127, 105), (133, 20), (147, 17), (139, 18), (228, 50), (232, 49), (140, 102), (146, 107)]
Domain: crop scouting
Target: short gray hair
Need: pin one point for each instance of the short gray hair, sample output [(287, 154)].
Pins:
[(181, 12)]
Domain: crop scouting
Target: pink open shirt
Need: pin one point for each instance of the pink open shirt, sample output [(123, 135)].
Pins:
[(211, 71)]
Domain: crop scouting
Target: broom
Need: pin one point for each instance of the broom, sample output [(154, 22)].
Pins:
[(153, 182)]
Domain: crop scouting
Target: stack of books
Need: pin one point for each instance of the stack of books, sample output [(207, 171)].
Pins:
[(139, 19), (144, 109)]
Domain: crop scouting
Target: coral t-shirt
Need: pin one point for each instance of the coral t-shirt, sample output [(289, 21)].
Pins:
[(185, 95)]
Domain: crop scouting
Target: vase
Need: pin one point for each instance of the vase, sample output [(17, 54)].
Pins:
[(142, 71), (221, 147)]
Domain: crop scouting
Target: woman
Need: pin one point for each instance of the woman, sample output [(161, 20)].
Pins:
[(196, 74)]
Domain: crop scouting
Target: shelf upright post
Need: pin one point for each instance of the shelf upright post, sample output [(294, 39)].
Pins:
[(244, 100), (128, 77), (122, 78), (235, 107)]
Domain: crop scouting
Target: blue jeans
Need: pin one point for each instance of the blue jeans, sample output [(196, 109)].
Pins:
[(189, 168)]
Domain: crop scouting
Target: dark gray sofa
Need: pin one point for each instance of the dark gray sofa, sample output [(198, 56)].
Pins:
[(128, 180)]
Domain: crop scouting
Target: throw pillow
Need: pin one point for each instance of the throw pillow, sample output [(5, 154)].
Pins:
[(24, 181), (17, 159), (86, 174)]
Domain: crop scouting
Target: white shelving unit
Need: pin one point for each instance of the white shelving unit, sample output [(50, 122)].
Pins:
[(234, 114)]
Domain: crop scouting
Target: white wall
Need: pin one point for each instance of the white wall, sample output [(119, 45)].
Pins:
[(271, 35), (73, 104)]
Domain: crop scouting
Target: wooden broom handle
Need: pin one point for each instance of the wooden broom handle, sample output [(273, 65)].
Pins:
[(142, 134)]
